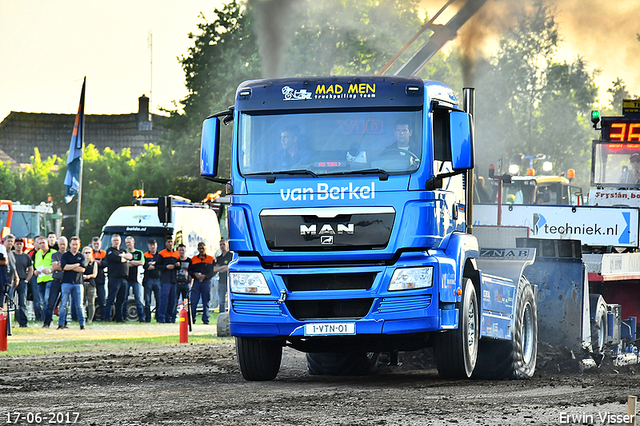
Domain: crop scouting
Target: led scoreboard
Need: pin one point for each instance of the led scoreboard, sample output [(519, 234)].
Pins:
[(621, 129)]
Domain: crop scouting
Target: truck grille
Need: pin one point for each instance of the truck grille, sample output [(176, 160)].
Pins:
[(328, 282), (329, 309), (348, 229)]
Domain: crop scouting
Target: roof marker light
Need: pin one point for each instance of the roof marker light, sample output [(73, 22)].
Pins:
[(412, 90)]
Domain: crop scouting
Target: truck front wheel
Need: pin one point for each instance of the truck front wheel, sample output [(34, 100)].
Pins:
[(456, 351), (259, 359)]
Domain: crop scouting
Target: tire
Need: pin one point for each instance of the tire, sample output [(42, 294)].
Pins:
[(456, 351), (342, 364), (223, 325), (516, 358), (132, 310), (599, 323), (98, 314), (259, 359)]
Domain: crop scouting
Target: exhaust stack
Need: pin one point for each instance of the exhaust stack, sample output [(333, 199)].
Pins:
[(469, 106)]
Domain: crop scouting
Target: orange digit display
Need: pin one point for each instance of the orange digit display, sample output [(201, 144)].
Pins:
[(623, 131), (634, 132), (621, 134)]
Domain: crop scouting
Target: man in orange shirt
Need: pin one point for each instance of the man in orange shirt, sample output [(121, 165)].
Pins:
[(202, 272), (151, 281), (166, 265), (101, 292)]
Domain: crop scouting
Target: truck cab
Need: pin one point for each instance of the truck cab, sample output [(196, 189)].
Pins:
[(27, 221), (531, 190), (348, 205)]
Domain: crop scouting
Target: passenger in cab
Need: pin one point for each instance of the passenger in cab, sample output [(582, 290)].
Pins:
[(632, 175)]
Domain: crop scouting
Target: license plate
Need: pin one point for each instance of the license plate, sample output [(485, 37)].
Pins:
[(329, 329)]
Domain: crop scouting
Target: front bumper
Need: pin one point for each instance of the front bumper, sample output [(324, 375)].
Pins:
[(373, 311)]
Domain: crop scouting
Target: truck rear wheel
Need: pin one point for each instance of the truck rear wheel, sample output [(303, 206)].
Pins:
[(259, 359), (342, 364), (456, 351), (516, 358), (598, 323)]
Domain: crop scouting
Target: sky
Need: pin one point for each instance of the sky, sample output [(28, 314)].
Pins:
[(47, 47)]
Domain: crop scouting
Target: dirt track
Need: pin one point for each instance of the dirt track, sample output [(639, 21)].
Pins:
[(201, 385)]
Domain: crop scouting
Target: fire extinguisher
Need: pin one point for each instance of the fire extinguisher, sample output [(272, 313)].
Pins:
[(184, 324), (3, 331)]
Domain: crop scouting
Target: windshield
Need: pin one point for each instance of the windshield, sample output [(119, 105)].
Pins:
[(529, 191), (25, 224), (616, 164), (515, 192), (323, 143), (141, 241)]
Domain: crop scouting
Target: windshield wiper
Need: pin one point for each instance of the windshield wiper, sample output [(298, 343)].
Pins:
[(382, 174), (271, 176)]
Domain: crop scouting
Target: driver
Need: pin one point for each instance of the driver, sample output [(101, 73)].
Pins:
[(403, 145), (292, 152)]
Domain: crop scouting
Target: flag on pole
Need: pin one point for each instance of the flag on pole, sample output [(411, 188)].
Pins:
[(74, 159)]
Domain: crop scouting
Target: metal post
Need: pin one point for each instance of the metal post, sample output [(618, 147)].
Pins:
[(79, 194)]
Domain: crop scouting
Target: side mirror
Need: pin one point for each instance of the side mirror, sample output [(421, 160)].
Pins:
[(460, 126), (164, 209), (209, 148)]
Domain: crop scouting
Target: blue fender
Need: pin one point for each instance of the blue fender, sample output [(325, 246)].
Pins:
[(239, 234), (458, 247)]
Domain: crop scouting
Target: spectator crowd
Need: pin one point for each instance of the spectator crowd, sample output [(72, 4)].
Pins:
[(91, 284)]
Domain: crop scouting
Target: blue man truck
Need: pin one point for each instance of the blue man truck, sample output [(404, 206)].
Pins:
[(350, 216)]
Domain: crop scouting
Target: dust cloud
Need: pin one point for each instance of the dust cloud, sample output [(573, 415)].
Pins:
[(493, 18), (275, 20), (602, 32), (605, 34)]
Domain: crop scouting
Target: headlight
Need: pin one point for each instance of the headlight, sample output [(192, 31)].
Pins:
[(248, 283), (411, 278)]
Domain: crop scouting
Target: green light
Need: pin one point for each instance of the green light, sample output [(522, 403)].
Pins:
[(595, 115)]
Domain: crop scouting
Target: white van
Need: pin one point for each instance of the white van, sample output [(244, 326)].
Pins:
[(190, 223)]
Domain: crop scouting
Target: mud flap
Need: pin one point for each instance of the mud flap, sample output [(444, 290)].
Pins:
[(563, 292)]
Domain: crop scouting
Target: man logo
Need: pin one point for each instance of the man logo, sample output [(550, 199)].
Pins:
[(326, 239), (327, 229)]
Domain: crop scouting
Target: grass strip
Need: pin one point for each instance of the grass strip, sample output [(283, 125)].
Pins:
[(29, 348)]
